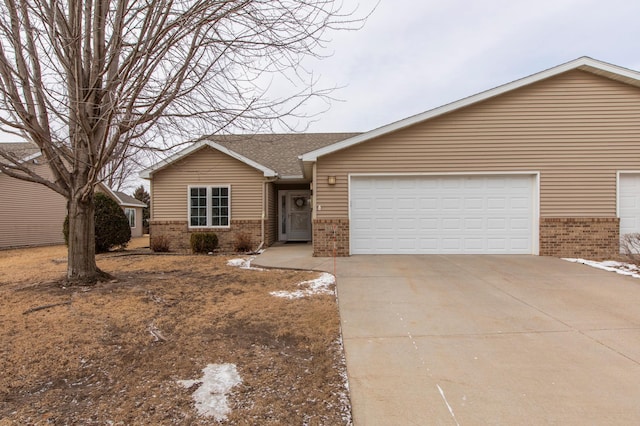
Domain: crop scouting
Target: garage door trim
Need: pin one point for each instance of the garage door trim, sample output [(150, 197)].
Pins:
[(535, 233), (619, 207)]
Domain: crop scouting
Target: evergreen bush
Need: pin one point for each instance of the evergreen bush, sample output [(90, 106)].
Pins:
[(111, 224)]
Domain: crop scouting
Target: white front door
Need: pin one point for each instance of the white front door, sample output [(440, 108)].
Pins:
[(295, 212)]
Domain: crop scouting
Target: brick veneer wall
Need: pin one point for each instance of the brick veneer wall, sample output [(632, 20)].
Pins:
[(323, 237), (593, 238), (179, 233)]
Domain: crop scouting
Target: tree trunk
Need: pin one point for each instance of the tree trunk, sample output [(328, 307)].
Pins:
[(81, 267)]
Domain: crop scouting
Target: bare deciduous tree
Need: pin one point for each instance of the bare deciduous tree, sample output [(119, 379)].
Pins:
[(91, 82), (121, 172)]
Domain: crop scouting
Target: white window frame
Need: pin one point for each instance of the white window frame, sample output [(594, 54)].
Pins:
[(132, 211), (208, 205)]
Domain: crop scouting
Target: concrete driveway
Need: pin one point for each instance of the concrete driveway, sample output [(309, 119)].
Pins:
[(499, 340)]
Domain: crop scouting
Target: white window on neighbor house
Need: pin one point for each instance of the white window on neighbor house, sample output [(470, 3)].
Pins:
[(131, 216), (209, 206)]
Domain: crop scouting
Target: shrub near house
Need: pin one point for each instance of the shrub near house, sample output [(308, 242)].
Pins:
[(111, 224)]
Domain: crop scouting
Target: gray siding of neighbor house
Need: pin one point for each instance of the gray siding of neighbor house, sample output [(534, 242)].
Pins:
[(30, 214), (136, 231)]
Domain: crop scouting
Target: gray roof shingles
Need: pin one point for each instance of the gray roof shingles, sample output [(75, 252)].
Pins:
[(127, 199), (279, 152), (20, 149)]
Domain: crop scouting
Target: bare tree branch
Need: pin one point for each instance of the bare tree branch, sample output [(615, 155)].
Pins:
[(93, 83)]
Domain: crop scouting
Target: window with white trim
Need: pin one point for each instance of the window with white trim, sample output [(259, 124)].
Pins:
[(209, 206), (131, 216)]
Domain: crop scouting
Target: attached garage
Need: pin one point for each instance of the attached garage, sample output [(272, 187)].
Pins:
[(446, 214)]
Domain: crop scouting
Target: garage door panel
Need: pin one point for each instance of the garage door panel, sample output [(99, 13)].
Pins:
[(428, 244), (519, 224), (447, 214), (496, 203), (451, 224), (474, 204), (496, 223), (428, 203), (405, 203), (446, 183), (474, 224), (496, 244), (517, 203), (449, 244), (519, 243), (497, 183), (451, 203), (474, 244)]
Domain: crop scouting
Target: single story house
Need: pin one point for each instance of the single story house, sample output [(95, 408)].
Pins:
[(545, 165), (32, 214)]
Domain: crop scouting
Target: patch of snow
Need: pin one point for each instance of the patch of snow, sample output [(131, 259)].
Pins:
[(611, 266), (243, 263), (343, 392), (318, 286), (211, 396)]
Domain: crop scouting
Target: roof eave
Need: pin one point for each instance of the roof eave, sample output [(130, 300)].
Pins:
[(148, 172), (133, 205), (584, 63)]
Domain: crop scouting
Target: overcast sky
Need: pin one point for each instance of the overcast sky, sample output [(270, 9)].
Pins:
[(415, 55), (412, 56)]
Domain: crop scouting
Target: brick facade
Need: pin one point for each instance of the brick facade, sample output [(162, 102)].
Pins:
[(329, 234), (592, 238), (179, 233)]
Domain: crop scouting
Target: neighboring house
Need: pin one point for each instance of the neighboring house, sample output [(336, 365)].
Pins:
[(132, 209), (32, 214), (548, 165)]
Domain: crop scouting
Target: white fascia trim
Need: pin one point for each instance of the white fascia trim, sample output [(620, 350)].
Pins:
[(31, 157), (117, 199), (585, 63), (146, 173), (110, 192), (618, 176)]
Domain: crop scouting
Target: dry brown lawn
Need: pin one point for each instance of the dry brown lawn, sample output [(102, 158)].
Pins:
[(91, 357)]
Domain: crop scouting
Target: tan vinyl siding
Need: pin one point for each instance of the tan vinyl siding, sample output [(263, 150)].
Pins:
[(206, 167), (30, 214), (576, 129)]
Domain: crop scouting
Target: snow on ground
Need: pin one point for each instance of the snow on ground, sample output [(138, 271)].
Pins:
[(243, 263), (611, 266), (318, 286), (211, 396)]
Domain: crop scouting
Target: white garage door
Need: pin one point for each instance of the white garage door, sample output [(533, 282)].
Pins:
[(442, 214), (629, 203)]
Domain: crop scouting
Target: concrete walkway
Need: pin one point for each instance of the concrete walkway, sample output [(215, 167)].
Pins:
[(293, 256), (476, 340)]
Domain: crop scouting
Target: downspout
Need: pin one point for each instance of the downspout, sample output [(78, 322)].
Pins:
[(264, 209)]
